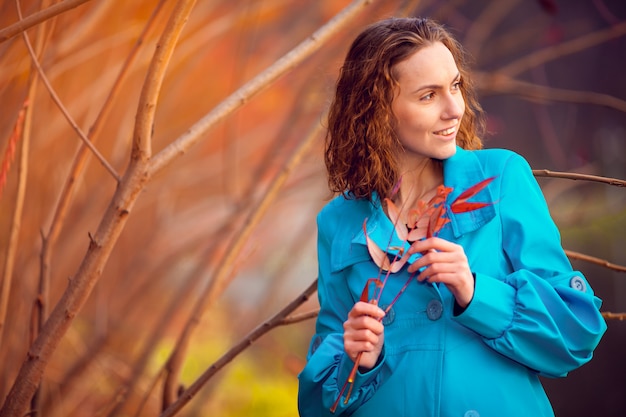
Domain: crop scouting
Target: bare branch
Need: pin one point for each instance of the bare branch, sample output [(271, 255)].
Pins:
[(144, 121), (80, 160), (297, 318), (501, 84), (566, 48), (484, 25), (618, 316), (594, 260), (218, 280), (262, 329), (21, 131), (100, 247), (67, 115), (36, 18), (581, 177), (254, 86)]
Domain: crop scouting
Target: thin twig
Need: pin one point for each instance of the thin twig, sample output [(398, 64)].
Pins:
[(66, 114), (580, 177), (484, 25), (497, 83), (218, 281), (36, 18), (80, 160), (618, 316), (297, 318), (594, 260), (254, 86), (101, 244), (248, 340), (20, 132), (40, 305), (146, 110), (566, 48)]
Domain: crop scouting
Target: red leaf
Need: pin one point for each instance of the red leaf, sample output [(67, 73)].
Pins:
[(380, 257), (467, 206), (472, 191), (437, 220), (394, 216)]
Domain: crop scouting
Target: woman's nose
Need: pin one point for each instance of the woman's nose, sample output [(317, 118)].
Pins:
[(454, 106)]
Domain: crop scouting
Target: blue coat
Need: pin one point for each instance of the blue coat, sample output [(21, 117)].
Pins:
[(531, 314)]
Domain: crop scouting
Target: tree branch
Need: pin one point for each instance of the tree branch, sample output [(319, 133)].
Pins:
[(101, 244), (144, 121), (225, 266), (254, 86), (20, 131), (277, 320), (618, 316), (594, 260), (582, 177), (66, 114), (566, 48), (36, 18), (501, 84)]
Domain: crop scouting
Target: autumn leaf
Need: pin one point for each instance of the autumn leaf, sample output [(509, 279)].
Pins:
[(380, 257), (460, 204)]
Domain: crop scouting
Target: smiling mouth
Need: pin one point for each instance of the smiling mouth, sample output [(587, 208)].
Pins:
[(446, 132)]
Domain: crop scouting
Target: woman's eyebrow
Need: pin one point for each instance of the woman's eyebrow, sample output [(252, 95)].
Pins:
[(436, 86)]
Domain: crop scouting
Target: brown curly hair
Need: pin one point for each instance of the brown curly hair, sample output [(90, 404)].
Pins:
[(361, 143)]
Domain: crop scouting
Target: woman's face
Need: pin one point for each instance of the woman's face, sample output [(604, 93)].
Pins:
[(428, 105)]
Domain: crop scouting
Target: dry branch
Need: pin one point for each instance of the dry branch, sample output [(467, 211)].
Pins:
[(614, 316), (217, 283), (21, 131), (254, 86), (566, 48), (278, 319), (66, 113), (485, 23), (577, 176), (36, 18), (80, 160), (501, 84), (594, 260), (104, 240)]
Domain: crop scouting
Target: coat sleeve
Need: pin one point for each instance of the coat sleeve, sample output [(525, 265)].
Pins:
[(543, 315), (328, 366)]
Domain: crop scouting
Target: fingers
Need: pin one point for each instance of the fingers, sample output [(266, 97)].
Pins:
[(438, 251), (444, 262), (366, 309), (433, 243), (363, 331)]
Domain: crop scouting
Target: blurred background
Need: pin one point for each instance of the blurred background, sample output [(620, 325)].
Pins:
[(550, 77)]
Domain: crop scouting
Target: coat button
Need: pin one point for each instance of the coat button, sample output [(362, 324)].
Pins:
[(578, 283), (434, 309), (316, 343), (389, 317), (471, 413)]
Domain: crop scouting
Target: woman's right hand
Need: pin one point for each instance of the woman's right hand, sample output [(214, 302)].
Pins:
[(363, 332)]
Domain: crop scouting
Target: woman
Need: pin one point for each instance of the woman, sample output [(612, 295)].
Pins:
[(494, 303)]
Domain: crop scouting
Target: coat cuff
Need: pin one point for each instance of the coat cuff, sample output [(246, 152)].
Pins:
[(490, 313), (362, 378)]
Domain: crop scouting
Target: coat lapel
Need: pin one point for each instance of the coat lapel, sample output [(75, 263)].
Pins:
[(461, 171)]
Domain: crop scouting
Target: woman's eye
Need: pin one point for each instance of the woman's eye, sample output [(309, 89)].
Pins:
[(427, 97), (456, 85)]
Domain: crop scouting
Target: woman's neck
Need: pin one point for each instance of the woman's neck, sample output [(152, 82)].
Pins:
[(419, 182)]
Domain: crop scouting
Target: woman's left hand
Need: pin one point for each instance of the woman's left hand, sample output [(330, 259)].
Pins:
[(445, 262)]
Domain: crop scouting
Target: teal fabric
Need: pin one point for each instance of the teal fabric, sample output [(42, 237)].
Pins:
[(531, 313)]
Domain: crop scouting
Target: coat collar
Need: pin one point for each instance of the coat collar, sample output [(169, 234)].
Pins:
[(460, 172)]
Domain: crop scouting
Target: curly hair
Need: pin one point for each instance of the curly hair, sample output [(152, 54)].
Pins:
[(361, 143)]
